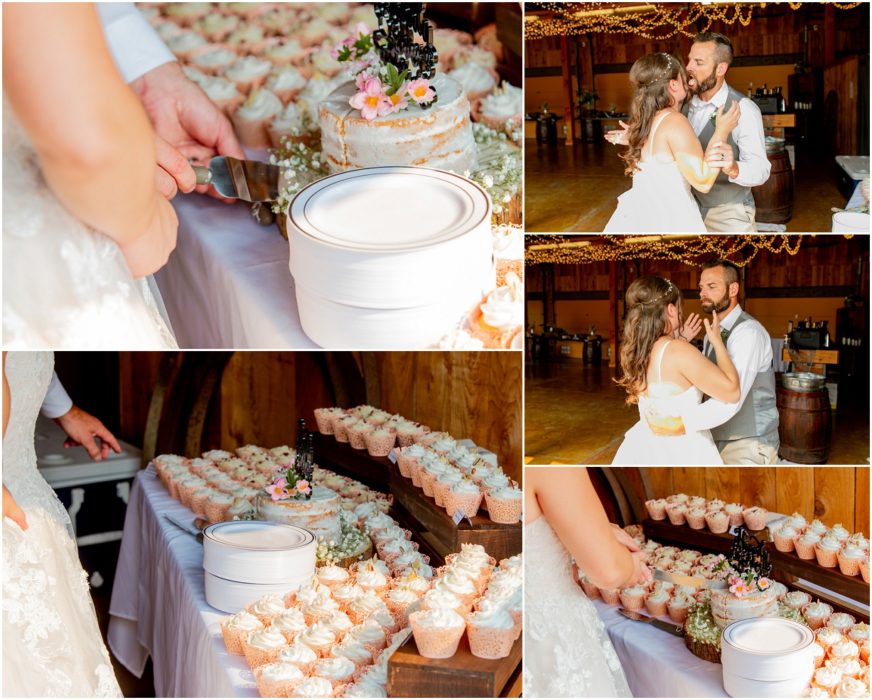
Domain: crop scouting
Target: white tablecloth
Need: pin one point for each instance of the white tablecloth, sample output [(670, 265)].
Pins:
[(227, 284), (656, 663), (159, 606)]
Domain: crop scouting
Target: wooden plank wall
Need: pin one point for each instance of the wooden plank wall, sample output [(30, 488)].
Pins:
[(832, 494), (469, 394)]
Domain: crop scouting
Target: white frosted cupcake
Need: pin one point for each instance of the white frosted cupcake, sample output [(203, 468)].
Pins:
[(212, 59), (491, 633), (247, 38), (248, 73), (437, 632), (339, 670), (849, 558), (370, 634), (318, 638), (504, 504), (216, 26), (314, 687), (263, 647), (827, 551), (817, 614), (252, 117), (734, 510), (784, 537), (464, 497), (185, 43), (266, 608), (236, 628), (475, 80), (806, 543), (286, 83), (283, 52), (502, 109), (186, 13), (841, 621), (290, 623), (354, 651), (277, 679), (300, 656)]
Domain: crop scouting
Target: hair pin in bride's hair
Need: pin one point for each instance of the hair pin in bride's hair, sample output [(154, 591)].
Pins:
[(664, 295), (665, 74)]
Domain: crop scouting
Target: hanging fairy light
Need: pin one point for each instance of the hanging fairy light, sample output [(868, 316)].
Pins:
[(652, 21), (741, 249)]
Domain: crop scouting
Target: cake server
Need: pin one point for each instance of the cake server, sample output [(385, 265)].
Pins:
[(670, 627), (248, 180), (684, 579)]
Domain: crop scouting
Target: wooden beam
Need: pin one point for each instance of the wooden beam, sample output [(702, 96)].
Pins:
[(568, 101), (829, 35), (549, 315), (613, 312)]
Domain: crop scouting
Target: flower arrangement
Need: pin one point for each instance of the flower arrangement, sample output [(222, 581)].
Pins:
[(351, 542), (288, 484), (390, 71), (747, 568), (301, 165)]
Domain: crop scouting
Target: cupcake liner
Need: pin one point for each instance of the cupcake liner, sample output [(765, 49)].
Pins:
[(435, 642), (695, 522), (466, 502), (490, 643), (404, 464), (340, 431), (427, 479), (215, 512), (503, 510), (816, 621), (783, 543), (655, 510), (257, 657), (716, 523), (439, 491), (826, 557), (610, 595), (273, 689), (252, 132), (246, 86), (864, 570), (631, 602), (736, 519), (676, 517), (677, 613), (590, 590), (415, 471), (656, 608), (804, 550), (755, 521), (324, 420), (232, 638), (848, 566), (379, 446), (357, 437)]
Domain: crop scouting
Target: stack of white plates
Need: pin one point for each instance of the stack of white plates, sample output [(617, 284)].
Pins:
[(767, 657), (245, 560), (389, 256)]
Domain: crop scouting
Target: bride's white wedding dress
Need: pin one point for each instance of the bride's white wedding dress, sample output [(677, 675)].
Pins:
[(64, 284), (642, 446), (567, 652), (51, 642), (660, 199)]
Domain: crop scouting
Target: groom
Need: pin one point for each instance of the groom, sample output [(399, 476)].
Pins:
[(729, 206), (745, 432)]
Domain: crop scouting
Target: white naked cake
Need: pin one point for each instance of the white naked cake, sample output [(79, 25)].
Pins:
[(728, 607), (439, 137), (319, 514)]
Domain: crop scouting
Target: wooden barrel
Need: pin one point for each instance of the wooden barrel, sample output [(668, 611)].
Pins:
[(804, 425), (774, 198)]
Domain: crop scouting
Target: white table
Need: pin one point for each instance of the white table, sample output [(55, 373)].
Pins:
[(227, 284), (656, 663), (159, 606)]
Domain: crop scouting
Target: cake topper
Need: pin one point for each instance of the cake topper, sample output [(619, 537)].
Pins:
[(394, 64), (295, 482), (747, 566)]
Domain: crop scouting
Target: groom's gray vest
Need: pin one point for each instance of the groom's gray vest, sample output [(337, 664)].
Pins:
[(723, 191), (758, 414)]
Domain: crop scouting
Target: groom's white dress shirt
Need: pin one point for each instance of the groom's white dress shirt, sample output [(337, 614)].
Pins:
[(135, 46), (754, 165), (750, 349), (57, 401)]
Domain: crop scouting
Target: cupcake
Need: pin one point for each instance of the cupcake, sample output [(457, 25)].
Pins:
[(677, 513), (475, 80), (591, 590), (796, 600), (678, 608), (357, 434), (784, 537), (504, 505), (841, 621), (339, 670), (632, 598), (817, 527), (216, 506), (491, 633), (212, 59), (864, 568), (252, 117), (370, 634), (844, 648), (839, 532), (805, 544), (657, 602), (248, 73), (216, 26), (797, 521), (827, 678), (247, 38), (656, 508), (827, 551), (333, 576), (851, 688), (817, 614), (266, 608), (437, 632), (184, 44), (818, 653), (696, 518), (236, 628), (464, 497), (300, 656), (322, 607), (371, 579), (399, 600), (283, 52), (313, 687), (263, 647), (611, 596), (717, 521), (286, 83), (755, 517), (859, 632), (441, 598), (354, 651), (186, 13), (277, 679), (735, 510), (849, 558), (318, 638), (502, 109)]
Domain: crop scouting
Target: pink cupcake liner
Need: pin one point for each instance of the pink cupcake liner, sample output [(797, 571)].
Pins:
[(503, 510), (590, 590), (489, 643), (404, 464), (676, 515), (848, 566), (340, 431), (655, 510), (864, 570), (656, 608), (427, 479), (631, 602), (324, 420), (677, 613), (357, 437), (466, 502), (717, 523), (826, 557), (232, 638), (439, 492), (435, 643), (611, 596), (415, 471), (379, 446), (783, 543), (803, 549), (755, 521), (695, 522), (257, 657)]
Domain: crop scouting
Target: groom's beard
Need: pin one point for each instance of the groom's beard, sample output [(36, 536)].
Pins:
[(701, 86), (720, 305)]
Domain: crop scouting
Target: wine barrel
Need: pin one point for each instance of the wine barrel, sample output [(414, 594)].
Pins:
[(774, 198), (804, 425)]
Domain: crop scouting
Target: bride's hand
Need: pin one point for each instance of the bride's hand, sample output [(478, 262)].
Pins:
[(692, 327), (12, 511), (725, 122), (618, 137), (713, 329), (623, 538), (643, 573), (149, 252)]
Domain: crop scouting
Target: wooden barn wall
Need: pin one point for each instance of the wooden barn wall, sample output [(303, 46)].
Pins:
[(831, 494), (471, 395)]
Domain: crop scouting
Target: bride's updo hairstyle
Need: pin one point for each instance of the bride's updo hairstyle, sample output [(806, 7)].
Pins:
[(650, 76), (645, 321)]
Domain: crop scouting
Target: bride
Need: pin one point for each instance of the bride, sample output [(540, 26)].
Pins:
[(567, 652), (664, 156), (51, 642), (667, 377)]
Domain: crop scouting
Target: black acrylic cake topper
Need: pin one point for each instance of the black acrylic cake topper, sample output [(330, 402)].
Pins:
[(304, 461), (394, 40), (747, 553)]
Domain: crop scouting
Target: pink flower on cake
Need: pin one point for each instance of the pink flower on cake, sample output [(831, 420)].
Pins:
[(362, 29), (420, 91), (398, 99), (281, 482), (371, 100), (740, 588), (763, 583), (303, 486), (276, 493)]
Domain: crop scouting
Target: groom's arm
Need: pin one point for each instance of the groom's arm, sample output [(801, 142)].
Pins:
[(753, 166), (751, 352), (135, 46)]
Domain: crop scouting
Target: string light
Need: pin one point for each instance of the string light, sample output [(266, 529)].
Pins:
[(656, 22), (740, 249)]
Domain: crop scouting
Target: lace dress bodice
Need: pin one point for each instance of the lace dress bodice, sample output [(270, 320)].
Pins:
[(28, 375), (567, 652), (65, 286), (51, 641)]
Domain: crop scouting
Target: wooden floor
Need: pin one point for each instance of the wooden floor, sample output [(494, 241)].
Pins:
[(575, 414), (575, 188)]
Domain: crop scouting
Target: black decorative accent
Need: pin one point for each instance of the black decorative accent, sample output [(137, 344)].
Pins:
[(394, 39), (747, 553), (304, 461)]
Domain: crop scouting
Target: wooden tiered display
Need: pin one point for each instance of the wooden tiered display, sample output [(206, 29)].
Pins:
[(409, 673)]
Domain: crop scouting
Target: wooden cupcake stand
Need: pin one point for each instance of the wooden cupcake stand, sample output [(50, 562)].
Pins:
[(409, 673)]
